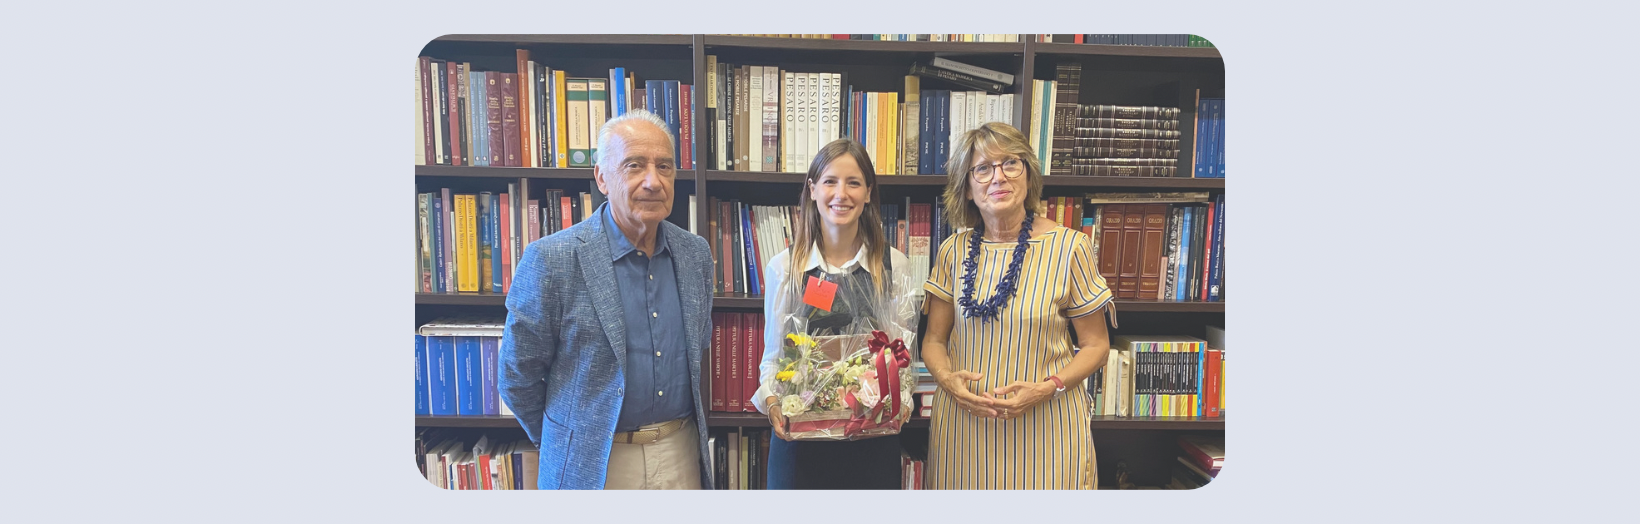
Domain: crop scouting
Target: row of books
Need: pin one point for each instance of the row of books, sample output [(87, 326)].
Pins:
[(1164, 40), (741, 457), (534, 116), (1159, 376), (1161, 251), (1210, 138), (470, 242), (765, 119), (737, 349), (912, 473), (457, 463), (456, 368), (905, 37)]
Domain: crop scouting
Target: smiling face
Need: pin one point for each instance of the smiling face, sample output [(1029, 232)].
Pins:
[(639, 181), (840, 193), (1002, 195)]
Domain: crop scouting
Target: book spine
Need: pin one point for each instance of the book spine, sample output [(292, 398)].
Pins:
[(617, 85), (452, 128), (771, 119), (441, 383), (504, 201), (496, 237), (509, 121), (545, 109), (737, 364), (562, 119), (1110, 245), (489, 353), (469, 209), (965, 80), (447, 240), (426, 234), (597, 114), (1215, 285), (670, 93), (486, 239), (750, 323), (525, 78), (422, 394), (976, 71), (1128, 123), (469, 377), (580, 147), (719, 380), (424, 86), (686, 121)]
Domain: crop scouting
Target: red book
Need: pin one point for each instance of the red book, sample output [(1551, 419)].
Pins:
[(453, 135), (506, 244), (736, 362), (1110, 245), (749, 379), (484, 472), (509, 121), (1154, 244), (522, 140), (1204, 451), (686, 143), (533, 224), (567, 208), (718, 356), (1133, 228)]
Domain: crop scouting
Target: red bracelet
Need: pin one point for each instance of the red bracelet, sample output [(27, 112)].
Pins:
[(1057, 382)]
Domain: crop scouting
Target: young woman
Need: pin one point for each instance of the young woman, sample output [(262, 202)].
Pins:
[(838, 238)]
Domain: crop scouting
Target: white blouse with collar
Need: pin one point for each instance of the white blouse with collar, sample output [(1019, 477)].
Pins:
[(775, 309)]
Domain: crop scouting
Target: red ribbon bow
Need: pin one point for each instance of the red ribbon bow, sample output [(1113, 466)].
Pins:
[(889, 357)]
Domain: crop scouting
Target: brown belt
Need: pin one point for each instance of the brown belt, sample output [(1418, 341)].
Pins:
[(650, 434)]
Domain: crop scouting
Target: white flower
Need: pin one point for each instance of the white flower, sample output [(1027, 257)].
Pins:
[(792, 406)]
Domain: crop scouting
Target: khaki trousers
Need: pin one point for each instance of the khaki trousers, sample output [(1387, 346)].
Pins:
[(672, 462)]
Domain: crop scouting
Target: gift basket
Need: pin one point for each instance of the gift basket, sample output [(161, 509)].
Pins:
[(844, 367)]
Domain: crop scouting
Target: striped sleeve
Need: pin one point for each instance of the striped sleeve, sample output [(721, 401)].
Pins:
[(1088, 291), (940, 283)]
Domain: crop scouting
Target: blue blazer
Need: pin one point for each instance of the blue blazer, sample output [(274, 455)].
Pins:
[(564, 352)]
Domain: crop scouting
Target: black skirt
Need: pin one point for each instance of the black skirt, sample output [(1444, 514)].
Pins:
[(873, 463)]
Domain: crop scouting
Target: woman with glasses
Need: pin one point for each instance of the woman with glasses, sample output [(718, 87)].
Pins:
[(838, 239), (1011, 411)]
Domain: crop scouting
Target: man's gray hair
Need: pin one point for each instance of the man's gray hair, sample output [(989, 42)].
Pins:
[(637, 114)]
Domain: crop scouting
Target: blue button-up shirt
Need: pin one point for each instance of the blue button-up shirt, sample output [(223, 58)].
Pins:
[(657, 370)]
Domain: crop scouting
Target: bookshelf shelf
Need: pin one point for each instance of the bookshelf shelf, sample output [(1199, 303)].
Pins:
[(1171, 423), (824, 44), (1126, 50), (678, 40), (461, 299), (575, 173), (469, 421), (756, 302)]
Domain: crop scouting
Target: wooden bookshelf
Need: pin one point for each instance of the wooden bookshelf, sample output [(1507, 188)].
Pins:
[(1130, 75)]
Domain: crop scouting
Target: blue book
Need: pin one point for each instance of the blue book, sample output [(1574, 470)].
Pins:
[(1201, 138), (476, 111), (441, 375), (670, 106), (1181, 285), (469, 377), (495, 245), (942, 130), (1217, 267), (652, 90), (754, 286), (421, 376), (1219, 140), (1215, 137), (490, 348), (617, 89), (439, 285), (925, 131)]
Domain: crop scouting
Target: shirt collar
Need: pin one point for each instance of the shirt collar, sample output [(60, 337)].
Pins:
[(816, 260), (619, 246)]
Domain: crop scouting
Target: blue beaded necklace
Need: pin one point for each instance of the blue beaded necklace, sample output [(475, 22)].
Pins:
[(988, 310)]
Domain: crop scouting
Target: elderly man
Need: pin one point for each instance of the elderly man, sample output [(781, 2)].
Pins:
[(606, 323)]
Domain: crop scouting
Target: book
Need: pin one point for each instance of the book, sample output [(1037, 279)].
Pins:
[(576, 102), (960, 79), (597, 113), (974, 70)]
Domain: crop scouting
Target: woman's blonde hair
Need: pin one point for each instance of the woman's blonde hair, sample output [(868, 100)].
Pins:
[(807, 229), (991, 138)]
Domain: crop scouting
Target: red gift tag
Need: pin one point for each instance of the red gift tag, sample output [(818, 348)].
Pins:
[(819, 293)]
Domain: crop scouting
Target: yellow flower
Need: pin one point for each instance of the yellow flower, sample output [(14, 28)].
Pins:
[(800, 339), (784, 376)]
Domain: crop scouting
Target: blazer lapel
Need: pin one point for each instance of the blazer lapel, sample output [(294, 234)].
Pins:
[(689, 293), (600, 279)]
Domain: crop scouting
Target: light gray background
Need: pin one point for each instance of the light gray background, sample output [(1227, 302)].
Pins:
[(207, 239)]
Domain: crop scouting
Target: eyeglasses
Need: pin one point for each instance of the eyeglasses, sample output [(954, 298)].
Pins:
[(984, 173)]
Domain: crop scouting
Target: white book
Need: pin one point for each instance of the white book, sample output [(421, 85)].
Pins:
[(788, 119), (754, 114), (526, 119), (958, 118), (770, 145), (816, 138), (981, 72), (975, 100), (1048, 122), (421, 132), (1008, 109), (1036, 115), (834, 98), (437, 96), (800, 107), (692, 228)]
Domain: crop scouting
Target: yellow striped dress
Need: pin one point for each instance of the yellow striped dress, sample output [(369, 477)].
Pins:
[(1049, 447)]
